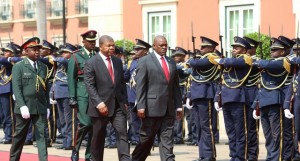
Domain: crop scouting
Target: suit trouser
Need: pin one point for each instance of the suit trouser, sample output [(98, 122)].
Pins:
[(163, 126), (65, 117), (84, 127), (119, 122), (235, 125), (297, 126), (272, 123), (253, 126), (204, 120), (39, 123), (8, 118)]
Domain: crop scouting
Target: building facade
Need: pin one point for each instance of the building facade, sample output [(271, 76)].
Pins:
[(178, 20)]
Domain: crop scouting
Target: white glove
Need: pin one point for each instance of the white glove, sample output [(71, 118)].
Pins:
[(218, 60), (287, 114), (53, 102), (255, 116), (48, 113), (13, 96), (187, 103), (25, 112), (217, 107)]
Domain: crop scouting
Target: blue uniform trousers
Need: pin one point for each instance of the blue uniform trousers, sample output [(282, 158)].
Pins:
[(272, 124), (65, 117), (135, 124), (252, 137), (297, 126), (7, 109), (204, 121), (235, 125)]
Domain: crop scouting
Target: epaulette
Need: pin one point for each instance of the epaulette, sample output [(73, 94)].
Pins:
[(211, 57), (19, 61), (287, 65), (76, 51), (248, 59)]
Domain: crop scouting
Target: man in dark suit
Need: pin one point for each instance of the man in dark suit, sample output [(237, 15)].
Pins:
[(30, 91), (158, 100), (104, 80)]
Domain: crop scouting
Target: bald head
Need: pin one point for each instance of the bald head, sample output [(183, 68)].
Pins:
[(160, 45)]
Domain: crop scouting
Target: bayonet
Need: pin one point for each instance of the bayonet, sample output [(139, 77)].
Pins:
[(193, 39), (297, 50), (9, 37), (260, 43)]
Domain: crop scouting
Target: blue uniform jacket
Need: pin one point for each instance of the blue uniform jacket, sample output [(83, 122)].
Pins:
[(60, 85), (129, 75), (202, 88), (274, 83), (5, 72), (233, 88)]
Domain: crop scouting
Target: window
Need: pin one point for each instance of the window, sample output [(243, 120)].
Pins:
[(57, 8), (57, 40), (239, 22), (82, 7), (30, 8), (5, 10), (160, 24)]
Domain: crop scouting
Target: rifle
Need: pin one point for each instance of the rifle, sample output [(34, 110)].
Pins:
[(221, 46), (193, 40), (1, 43), (9, 37)]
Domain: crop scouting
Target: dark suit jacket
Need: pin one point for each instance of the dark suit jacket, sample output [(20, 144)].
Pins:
[(24, 87), (154, 93), (101, 88)]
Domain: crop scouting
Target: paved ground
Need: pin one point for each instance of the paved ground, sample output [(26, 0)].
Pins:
[(182, 152)]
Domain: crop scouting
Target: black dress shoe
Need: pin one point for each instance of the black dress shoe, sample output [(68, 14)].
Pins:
[(75, 156), (69, 148), (112, 146), (59, 142), (4, 141), (134, 143), (178, 142), (90, 159), (60, 147), (155, 144), (28, 142), (192, 143), (208, 159)]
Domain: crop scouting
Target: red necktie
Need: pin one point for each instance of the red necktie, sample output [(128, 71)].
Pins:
[(165, 68), (110, 70)]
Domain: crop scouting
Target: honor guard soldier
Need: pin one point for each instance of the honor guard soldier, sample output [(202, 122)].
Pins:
[(6, 101), (288, 127), (61, 96), (140, 49), (292, 100), (47, 53), (178, 56), (251, 92), (231, 98), (201, 93), (31, 99), (78, 95), (273, 86)]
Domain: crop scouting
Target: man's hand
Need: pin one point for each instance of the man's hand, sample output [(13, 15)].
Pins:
[(179, 114), (255, 116), (48, 113), (25, 112), (288, 114), (102, 108), (141, 113), (187, 103), (73, 102), (217, 106)]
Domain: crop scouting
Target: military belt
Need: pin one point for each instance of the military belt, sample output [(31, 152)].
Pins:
[(270, 83), (231, 80)]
